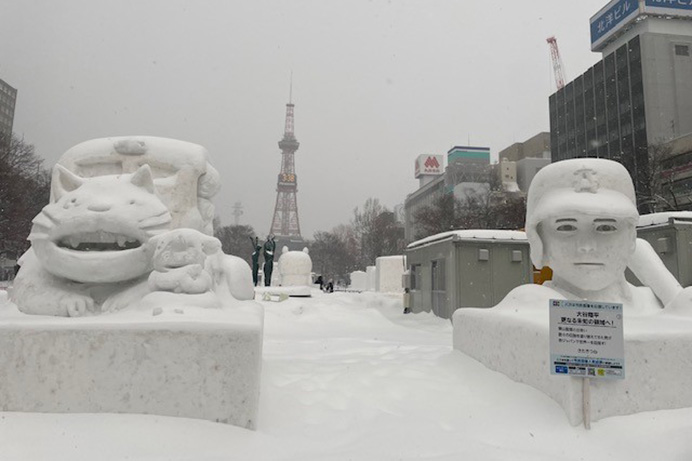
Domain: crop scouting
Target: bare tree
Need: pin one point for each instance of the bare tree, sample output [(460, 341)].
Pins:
[(332, 256), (24, 191), (442, 215), (236, 240), (378, 231), (493, 210), (654, 182)]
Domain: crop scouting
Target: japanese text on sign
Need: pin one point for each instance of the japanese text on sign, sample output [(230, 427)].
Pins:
[(612, 18), (586, 339)]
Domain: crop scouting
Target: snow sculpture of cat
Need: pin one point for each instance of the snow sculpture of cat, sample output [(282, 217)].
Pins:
[(91, 245)]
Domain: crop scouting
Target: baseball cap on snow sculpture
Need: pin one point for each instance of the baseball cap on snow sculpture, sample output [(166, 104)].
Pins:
[(580, 220)]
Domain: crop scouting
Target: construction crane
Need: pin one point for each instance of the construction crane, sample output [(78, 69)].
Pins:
[(557, 63)]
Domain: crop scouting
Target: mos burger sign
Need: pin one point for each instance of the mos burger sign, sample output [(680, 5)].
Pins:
[(429, 165)]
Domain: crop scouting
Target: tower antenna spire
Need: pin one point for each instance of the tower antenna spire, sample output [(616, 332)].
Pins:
[(290, 90)]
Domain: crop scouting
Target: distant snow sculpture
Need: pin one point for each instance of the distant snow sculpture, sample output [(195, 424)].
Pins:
[(295, 268), (106, 228)]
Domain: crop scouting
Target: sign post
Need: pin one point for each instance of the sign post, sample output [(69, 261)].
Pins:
[(586, 341)]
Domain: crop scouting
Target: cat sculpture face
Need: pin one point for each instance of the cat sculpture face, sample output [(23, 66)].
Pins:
[(97, 229)]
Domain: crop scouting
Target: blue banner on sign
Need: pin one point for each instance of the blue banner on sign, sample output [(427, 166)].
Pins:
[(674, 4), (615, 17)]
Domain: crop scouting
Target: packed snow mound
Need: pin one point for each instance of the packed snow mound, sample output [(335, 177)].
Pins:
[(359, 281), (389, 273), (349, 376)]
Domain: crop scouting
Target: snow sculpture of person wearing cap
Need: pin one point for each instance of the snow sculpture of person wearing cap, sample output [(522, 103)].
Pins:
[(581, 221)]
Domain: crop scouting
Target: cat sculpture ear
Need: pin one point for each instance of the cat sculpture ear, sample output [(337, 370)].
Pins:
[(143, 178), (65, 181)]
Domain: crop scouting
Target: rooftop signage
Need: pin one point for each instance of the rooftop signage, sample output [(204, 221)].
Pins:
[(668, 7), (613, 17), (429, 165), (618, 14)]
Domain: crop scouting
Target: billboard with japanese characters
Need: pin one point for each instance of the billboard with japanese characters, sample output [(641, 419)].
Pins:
[(617, 14), (668, 7), (613, 17), (429, 165)]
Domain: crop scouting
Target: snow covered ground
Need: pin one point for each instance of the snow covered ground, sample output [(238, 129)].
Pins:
[(349, 377)]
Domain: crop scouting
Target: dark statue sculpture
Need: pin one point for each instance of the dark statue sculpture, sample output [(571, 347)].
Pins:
[(269, 247), (255, 259)]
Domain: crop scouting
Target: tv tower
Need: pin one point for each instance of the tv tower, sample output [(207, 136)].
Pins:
[(285, 223)]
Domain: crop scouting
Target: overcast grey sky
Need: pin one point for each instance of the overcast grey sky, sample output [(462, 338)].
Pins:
[(375, 84)]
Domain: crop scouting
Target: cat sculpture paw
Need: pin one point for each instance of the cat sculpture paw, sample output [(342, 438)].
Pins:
[(76, 305)]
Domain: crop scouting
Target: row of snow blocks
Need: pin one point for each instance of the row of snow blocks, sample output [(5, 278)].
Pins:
[(206, 367), (658, 362), (359, 281), (371, 274), (389, 272)]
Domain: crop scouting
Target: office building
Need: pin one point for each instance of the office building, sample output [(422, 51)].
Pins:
[(639, 93), (537, 146), (8, 98), (526, 159)]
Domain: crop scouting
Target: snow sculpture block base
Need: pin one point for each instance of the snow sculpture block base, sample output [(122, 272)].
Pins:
[(359, 281), (515, 342), (202, 364), (388, 274)]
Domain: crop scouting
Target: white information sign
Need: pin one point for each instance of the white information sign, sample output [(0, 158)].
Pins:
[(586, 339)]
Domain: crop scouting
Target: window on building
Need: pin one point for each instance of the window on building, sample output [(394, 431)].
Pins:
[(439, 283), (438, 275), (415, 277), (682, 50)]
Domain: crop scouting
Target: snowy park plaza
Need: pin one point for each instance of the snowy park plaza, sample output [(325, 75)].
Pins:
[(128, 333), (348, 376)]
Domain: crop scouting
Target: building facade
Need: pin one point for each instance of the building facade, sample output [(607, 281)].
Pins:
[(468, 170), (423, 197), (467, 164), (537, 146), (639, 94), (8, 99), (527, 168), (526, 158)]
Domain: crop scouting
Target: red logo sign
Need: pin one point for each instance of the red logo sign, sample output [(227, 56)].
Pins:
[(432, 163)]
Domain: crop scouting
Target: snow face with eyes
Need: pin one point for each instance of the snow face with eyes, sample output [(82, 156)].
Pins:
[(587, 252), (580, 220)]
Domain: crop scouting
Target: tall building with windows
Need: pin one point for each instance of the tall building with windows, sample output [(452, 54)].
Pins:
[(639, 94), (8, 98)]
